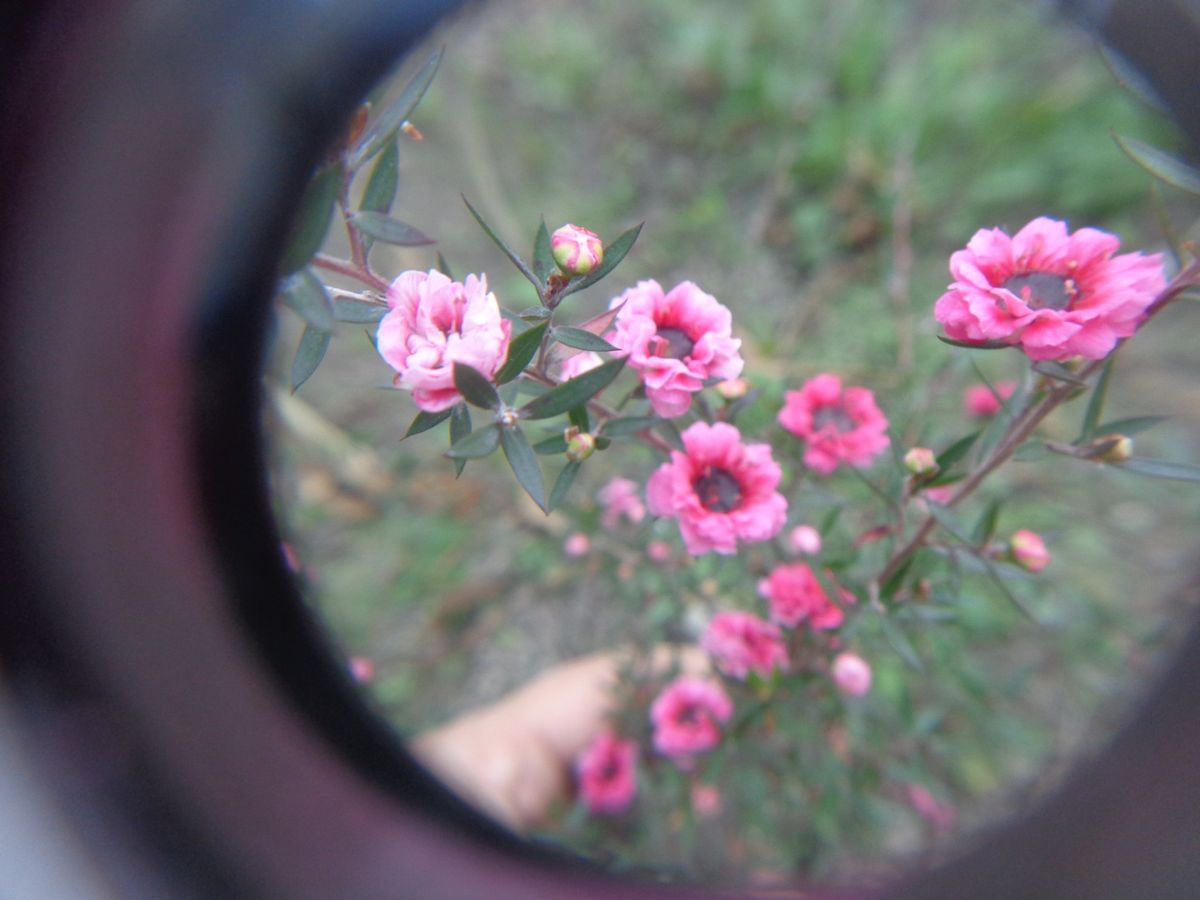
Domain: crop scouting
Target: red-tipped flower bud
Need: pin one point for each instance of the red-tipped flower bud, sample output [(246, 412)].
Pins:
[(1028, 550), (576, 250)]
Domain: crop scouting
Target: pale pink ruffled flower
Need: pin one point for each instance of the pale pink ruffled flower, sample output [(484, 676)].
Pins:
[(979, 401), (740, 643), (620, 499), (1055, 294), (852, 674), (607, 774), (795, 595), (687, 716), (836, 425), (676, 341), (433, 323), (721, 490)]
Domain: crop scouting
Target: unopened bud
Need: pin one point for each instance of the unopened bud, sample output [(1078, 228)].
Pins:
[(580, 444), (805, 539), (1110, 448), (852, 674), (411, 130), (576, 250), (733, 388), (921, 462), (1028, 550)]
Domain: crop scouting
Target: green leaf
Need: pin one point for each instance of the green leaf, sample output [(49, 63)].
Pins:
[(443, 266), (1157, 468), (956, 451), (476, 445), (534, 314), (391, 231), (1131, 426), (360, 312), (888, 589), (948, 520), (524, 464), (572, 393), (304, 293), (1032, 451), (830, 521), (312, 219), (986, 526), (628, 425), (1163, 166), (390, 120), (310, 352), (521, 265), (998, 580), (578, 416), (899, 642), (562, 485), (460, 427), (474, 387), (543, 258), (613, 254), (1095, 407), (1057, 370), (385, 177), (425, 421), (582, 340), (551, 446), (979, 345), (521, 351)]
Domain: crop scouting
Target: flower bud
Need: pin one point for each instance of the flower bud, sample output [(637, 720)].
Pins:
[(577, 545), (805, 539), (852, 674), (576, 250), (1110, 448), (580, 444), (733, 388), (921, 462), (1028, 551)]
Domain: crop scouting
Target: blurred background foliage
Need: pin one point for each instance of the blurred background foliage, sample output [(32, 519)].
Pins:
[(811, 163)]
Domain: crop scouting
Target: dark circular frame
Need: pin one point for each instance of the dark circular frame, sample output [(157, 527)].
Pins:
[(172, 722)]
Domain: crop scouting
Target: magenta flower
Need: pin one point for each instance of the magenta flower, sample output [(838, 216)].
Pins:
[(607, 774), (1054, 294), (719, 489), (795, 595), (740, 643), (837, 425), (852, 674), (979, 401), (687, 716), (433, 323), (676, 341), (621, 499)]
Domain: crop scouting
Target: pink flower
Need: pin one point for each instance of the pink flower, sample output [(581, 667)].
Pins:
[(1028, 550), (795, 595), (576, 545), (852, 674), (706, 800), (938, 814), (677, 341), (1056, 295), (940, 494), (837, 425), (574, 366), (719, 489), (606, 774), (740, 642), (658, 551), (805, 539), (621, 499), (979, 401), (687, 716), (433, 323)]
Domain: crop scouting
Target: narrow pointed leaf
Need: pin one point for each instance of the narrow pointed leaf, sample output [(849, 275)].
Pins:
[(670, 431), (551, 446), (474, 387), (948, 520), (517, 261), (899, 642), (359, 312), (572, 393), (1163, 166), (443, 266), (460, 427), (979, 345), (1032, 451), (985, 527), (534, 314), (582, 340), (613, 254), (1131, 426), (1095, 407), (543, 259), (310, 352), (425, 421), (394, 116), (523, 462), (562, 485), (521, 351), (956, 451), (1057, 370), (578, 416), (1157, 468), (476, 445), (303, 292), (312, 219), (385, 177), (628, 425), (998, 580), (597, 325), (391, 231)]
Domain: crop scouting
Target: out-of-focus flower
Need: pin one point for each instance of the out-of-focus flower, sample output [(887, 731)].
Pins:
[(979, 401), (921, 461), (433, 323), (607, 774), (1028, 550), (938, 814), (362, 669), (574, 366), (687, 716), (576, 250), (1054, 294), (795, 595), (706, 800), (721, 490), (577, 545), (805, 539), (658, 551), (620, 499), (740, 643), (940, 494), (836, 425), (732, 389), (852, 674), (676, 341)]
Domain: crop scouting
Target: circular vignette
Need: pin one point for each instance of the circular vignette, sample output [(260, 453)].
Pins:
[(165, 680)]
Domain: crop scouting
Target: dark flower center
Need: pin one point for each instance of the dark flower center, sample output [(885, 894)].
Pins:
[(675, 343), (689, 715), (718, 491), (609, 770), (1041, 290), (835, 415)]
